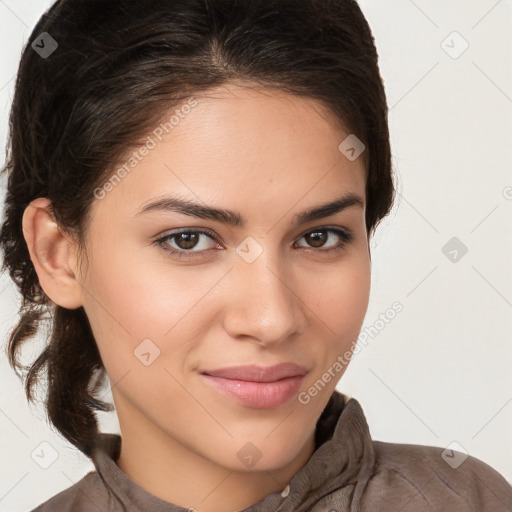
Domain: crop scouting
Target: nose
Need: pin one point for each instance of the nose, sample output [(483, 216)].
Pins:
[(264, 303)]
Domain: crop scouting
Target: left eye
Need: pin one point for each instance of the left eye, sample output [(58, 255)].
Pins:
[(318, 237), (186, 240)]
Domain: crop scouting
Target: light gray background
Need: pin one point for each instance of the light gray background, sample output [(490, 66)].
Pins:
[(440, 370)]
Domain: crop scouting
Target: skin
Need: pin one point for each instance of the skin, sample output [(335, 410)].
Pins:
[(267, 155)]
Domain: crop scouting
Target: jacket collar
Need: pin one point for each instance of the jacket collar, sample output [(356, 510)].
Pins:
[(343, 454)]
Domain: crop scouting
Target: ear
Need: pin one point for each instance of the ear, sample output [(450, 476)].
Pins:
[(52, 253)]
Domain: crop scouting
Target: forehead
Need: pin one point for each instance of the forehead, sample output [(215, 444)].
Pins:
[(259, 148)]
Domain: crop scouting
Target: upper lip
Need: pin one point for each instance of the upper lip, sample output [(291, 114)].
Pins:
[(254, 373)]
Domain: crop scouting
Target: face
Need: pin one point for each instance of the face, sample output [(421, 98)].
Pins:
[(271, 288)]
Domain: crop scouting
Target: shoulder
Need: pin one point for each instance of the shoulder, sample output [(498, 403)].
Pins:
[(420, 478), (86, 495)]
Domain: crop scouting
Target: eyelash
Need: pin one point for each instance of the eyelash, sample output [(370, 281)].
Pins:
[(345, 236)]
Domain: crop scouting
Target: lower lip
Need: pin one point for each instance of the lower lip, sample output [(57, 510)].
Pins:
[(258, 395)]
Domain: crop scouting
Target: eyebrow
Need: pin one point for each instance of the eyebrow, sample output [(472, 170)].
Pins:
[(232, 218)]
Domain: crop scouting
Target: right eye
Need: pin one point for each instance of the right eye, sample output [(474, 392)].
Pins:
[(184, 241)]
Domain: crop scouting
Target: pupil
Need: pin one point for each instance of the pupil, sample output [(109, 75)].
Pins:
[(318, 238), (190, 240)]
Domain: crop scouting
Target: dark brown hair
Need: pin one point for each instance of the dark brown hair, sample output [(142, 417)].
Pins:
[(119, 66)]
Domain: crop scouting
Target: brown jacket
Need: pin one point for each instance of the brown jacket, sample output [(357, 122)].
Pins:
[(348, 472)]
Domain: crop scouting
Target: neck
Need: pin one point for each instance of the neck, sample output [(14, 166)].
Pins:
[(175, 473)]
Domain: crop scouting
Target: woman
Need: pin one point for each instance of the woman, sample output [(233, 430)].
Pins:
[(192, 189)]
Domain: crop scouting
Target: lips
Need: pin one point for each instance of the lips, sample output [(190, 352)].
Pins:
[(253, 373), (255, 386)]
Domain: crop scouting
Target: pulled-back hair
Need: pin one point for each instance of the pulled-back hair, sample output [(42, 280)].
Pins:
[(119, 67)]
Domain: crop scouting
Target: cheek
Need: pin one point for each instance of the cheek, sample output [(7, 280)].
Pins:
[(133, 299), (341, 305), (342, 300)]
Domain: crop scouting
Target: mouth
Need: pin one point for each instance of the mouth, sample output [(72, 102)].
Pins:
[(255, 386)]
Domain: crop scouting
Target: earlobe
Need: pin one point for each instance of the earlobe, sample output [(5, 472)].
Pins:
[(52, 254)]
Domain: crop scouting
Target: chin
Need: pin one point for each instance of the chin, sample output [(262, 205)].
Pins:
[(265, 455)]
